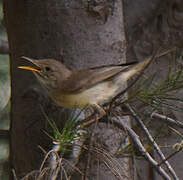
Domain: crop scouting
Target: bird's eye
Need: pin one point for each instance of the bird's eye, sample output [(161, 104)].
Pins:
[(47, 69)]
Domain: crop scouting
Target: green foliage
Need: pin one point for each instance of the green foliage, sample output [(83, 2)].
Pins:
[(68, 134), (162, 95)]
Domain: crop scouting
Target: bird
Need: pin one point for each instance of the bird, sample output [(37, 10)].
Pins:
[(91, 87)]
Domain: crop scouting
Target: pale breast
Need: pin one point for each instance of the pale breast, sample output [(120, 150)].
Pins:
[(95, 95)]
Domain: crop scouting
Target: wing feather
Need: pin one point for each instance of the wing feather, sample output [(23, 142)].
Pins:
[(84, 79)]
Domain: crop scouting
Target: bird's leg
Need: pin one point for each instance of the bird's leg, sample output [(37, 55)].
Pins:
[(91, 114), (100, 113)]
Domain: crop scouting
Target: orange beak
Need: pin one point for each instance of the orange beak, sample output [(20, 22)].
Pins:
[(28, 67)]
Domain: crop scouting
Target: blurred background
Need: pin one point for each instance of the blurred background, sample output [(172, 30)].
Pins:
[(4, 99)]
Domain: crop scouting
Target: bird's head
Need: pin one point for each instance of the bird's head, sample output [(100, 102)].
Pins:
[(48, 71)]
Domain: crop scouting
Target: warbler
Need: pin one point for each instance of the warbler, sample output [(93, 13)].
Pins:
[(81, 88)]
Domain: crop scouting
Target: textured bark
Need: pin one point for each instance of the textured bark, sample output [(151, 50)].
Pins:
[(70, 31)]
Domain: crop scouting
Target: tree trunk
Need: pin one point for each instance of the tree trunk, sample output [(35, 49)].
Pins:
[(79, 33)]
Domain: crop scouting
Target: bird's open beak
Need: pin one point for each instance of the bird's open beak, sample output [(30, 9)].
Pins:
[(34, 69), (29, 68)]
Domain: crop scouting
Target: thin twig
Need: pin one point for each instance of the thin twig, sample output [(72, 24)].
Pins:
[(31, 174), (139, 145), (177, 146), (171, 155), (143, 151), (150, 138), (74, 167), (175, 131), (14, 174), (166, 52), (167, 119), (65, 173), (90, 149), (44, 151), (114, 166)]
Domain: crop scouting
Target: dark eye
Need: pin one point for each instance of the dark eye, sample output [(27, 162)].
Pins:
[(47, 69)]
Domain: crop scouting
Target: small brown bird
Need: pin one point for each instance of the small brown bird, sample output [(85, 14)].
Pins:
[(81, 88)]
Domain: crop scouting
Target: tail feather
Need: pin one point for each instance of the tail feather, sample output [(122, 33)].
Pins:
[(124, 76)]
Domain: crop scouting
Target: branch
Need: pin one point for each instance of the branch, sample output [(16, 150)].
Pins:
[(147, 156), (167, 119), (150, 138), (139, 145)]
